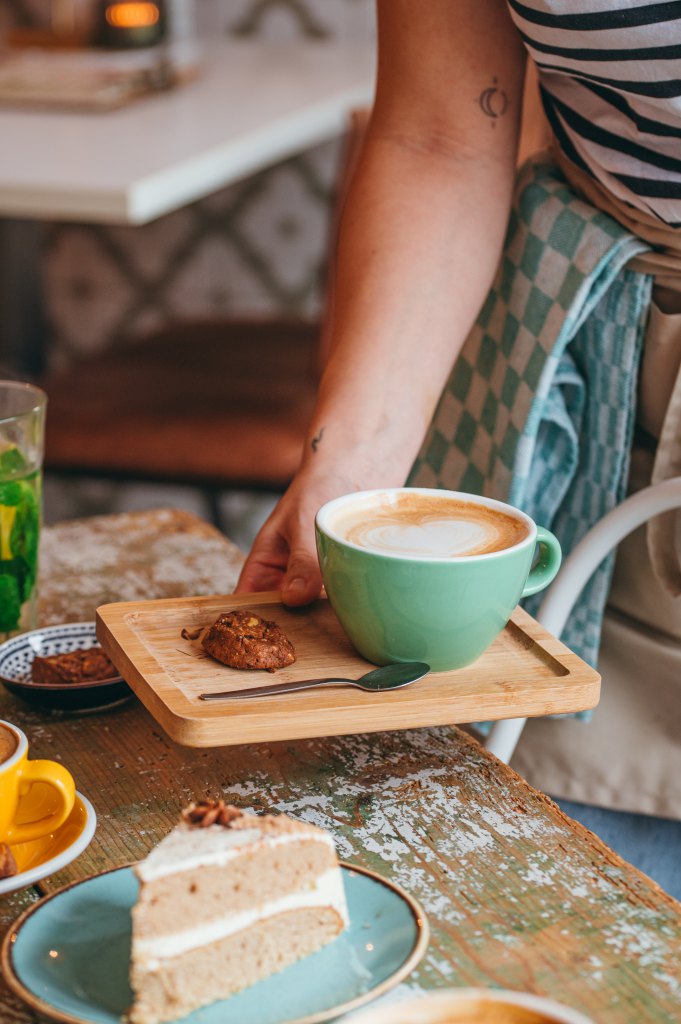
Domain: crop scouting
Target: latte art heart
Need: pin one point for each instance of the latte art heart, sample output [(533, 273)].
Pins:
[(430, 528), (436, 538)]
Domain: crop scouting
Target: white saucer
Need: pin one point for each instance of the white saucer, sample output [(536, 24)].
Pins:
[(70, 839)]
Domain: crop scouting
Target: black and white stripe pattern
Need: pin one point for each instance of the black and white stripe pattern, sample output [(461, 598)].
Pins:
[(610, 74)]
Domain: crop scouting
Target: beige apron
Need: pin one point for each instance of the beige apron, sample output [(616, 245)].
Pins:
[(629, 756)]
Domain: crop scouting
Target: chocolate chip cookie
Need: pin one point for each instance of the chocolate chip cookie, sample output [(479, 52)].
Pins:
[(242, 639)]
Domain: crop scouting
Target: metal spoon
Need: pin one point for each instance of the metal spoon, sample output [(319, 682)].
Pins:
[(387, 677)]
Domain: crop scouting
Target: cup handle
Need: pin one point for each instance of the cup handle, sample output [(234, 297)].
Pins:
[(546, 566), (56, 776)]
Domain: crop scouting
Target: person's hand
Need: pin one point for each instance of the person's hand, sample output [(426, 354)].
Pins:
[(284, 556)]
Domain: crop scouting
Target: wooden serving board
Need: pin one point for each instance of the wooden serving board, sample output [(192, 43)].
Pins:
[(526, 672)]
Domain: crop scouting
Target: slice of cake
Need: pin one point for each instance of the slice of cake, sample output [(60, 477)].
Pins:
[(226, 899)]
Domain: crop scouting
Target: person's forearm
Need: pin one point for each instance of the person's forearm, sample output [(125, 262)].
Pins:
[(420, 240)]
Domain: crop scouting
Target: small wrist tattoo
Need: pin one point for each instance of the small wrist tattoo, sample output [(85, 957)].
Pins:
[(314, 443), (493, 102)]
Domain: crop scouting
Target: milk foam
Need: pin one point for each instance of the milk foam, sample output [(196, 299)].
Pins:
[(436, 538), (429, 528)]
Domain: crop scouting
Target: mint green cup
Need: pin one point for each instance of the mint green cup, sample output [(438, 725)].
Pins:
[(444, 611)]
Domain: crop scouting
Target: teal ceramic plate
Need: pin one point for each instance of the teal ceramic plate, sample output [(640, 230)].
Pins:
[(68, 956)]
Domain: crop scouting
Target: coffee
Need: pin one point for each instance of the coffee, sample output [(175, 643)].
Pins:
[(423, 526), (462, 1006), (419, 574), (482, 1011), (8, 744)]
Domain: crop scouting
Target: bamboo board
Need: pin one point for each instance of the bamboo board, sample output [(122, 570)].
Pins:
[(525, 673)]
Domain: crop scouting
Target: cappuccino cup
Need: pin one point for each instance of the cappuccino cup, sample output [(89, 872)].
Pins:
[(27, 810), (472, 1006), (418, 574)]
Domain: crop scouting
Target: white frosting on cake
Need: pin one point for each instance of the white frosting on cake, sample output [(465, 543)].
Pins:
[(326, 891), (186, 848)]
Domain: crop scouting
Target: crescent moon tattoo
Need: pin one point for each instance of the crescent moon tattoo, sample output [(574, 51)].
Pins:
[(493, 102)]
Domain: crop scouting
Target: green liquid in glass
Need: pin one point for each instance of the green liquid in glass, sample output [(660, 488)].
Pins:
[(19, 536)]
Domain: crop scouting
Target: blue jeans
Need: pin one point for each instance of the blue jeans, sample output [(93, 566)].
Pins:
[(653, 845)]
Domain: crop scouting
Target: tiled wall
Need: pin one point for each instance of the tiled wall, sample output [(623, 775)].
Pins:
[(346, 20), (255, 248)]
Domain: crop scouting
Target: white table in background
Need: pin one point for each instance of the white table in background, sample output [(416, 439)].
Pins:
[(253, 105)]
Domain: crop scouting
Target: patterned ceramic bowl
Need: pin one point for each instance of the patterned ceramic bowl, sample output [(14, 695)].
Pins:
[(16, 658)]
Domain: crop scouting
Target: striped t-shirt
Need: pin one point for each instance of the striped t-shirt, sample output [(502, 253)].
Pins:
[(610, 77)]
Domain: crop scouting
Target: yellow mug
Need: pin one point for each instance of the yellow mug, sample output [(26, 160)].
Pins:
[(27, 810)]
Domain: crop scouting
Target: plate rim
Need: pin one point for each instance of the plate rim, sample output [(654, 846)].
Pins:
[(29, 685), (35, 1003), (47, 867), (53, 629)]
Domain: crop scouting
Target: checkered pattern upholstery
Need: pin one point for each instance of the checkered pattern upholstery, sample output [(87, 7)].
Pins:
[(540, 406)]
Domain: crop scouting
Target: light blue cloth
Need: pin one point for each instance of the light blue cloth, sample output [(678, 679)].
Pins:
[(572, 462)]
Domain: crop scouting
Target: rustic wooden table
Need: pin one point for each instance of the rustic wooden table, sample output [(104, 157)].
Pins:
[(518, 895)]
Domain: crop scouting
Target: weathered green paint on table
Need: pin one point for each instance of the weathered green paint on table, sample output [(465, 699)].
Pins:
[(517, 894)]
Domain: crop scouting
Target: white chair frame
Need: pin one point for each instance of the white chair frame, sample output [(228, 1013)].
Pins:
[(575, 573)]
